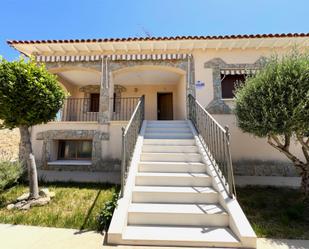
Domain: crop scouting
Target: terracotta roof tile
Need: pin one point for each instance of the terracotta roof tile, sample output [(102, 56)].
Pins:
[(165, 38)]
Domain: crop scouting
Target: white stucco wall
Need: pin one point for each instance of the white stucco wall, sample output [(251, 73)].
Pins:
[(151, 91), (244, 146), (113, 148), (234, 56)]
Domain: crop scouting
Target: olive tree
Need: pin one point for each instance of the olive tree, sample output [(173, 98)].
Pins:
[(274, 104), (29, 95)]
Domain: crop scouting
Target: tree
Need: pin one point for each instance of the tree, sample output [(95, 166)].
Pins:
[(274, 103), (29, 95)]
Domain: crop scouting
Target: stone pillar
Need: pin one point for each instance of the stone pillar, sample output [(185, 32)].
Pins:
[(104, 112), (96, 149), (190, 82), (191, 76)]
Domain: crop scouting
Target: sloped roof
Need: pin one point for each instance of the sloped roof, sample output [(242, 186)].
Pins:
[(159, 38)]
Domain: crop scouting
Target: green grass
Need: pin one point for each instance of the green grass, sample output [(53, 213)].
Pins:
[(74, 206), (275, 212), (272, 212)]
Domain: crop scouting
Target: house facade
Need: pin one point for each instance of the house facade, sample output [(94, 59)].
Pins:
[(105, 78), (174, 96)]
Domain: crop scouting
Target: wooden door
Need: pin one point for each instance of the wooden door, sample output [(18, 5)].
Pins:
[(165, 106)]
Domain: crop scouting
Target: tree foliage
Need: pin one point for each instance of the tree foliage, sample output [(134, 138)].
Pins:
[(274, 103), (276, 100), (29, 94)]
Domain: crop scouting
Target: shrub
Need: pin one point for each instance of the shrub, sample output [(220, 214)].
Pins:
[(10, 172), (274, 103), (105, 216)]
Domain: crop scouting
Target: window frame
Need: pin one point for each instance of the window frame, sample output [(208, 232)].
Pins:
[(223, 77), (61, 149)]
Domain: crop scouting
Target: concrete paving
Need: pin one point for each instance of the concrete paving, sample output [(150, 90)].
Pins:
[(32, 237)]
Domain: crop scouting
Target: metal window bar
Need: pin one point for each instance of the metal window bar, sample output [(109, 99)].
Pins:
[(129, 138), (77, 109), (123, 108), (216, 141)]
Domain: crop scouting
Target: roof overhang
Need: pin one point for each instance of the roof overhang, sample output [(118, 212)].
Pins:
[(153, 45)]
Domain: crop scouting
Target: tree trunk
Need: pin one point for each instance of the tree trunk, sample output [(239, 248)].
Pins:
[(22, 159), (305, 181), (29, 158)]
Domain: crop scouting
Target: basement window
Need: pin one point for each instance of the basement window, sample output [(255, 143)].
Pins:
[(74, 149), (228, 84)]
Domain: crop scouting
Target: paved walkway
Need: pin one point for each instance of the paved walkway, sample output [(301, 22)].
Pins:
[(31, 237)]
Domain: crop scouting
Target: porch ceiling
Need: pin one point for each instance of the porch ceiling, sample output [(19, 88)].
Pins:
[(81, 78), (147, 77)]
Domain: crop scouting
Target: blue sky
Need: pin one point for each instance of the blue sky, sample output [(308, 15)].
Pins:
[(62, 19)]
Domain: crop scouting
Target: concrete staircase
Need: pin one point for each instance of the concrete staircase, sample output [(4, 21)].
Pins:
[(173, 201)]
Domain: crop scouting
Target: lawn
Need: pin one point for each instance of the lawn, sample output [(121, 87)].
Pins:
[(275, 212), (74, 206)]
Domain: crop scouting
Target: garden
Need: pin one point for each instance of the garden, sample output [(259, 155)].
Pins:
[(74, 206), (275, 212), (83, 206), (272, 212)]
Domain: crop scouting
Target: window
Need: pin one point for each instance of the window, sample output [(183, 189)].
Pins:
[(114, 102), (74, 149), (228, 84), (94, 102)]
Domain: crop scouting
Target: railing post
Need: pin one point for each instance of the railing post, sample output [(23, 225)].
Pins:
[(192, 111), (123, 162), (231, 182), (143, 107)]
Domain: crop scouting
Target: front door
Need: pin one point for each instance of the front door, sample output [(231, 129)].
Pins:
[(165, 106)]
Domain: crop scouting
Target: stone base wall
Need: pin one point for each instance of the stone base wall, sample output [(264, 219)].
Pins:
[(50, 145), (104, 165), (264, 168)]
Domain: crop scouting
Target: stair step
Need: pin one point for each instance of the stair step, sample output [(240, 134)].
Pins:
[(171, 157), (192, 167), (168, 125), (170, 148), (173, 179), (167, 122), (177, 214), (163, 141), (160, 135), (180, 236), (172, 200), (168, 194), (168, 130)]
